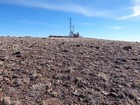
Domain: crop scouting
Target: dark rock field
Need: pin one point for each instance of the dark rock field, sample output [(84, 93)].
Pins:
[(69, 71)]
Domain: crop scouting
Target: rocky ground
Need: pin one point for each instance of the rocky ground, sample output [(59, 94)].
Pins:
[(64, 71)]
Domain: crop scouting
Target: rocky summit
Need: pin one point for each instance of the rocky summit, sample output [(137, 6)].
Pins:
[(69, 71)]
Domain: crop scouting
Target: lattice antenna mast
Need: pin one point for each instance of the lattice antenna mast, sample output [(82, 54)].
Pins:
[(71, 31), (73, 28)]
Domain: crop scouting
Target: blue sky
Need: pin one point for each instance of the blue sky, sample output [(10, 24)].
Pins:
[(105, 19)]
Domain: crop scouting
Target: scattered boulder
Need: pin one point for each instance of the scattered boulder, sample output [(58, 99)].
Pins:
[(17, 54), (26, 80), (9, 101), (52, 101), (103, 76), (127, 48), (37, 90)]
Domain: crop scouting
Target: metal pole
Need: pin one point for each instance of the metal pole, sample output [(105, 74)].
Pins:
[(73, 28), (71, 32)]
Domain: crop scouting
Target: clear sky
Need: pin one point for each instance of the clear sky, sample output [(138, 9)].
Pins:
[(105, 19)]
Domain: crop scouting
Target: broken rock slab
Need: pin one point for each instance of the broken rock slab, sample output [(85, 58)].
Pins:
[(52, 101)]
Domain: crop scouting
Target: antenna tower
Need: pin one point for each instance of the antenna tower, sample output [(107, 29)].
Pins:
[(71, 31)]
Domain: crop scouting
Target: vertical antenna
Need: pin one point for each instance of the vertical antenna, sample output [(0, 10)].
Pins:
[(71, 32), (70, 26), (73, 28)]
